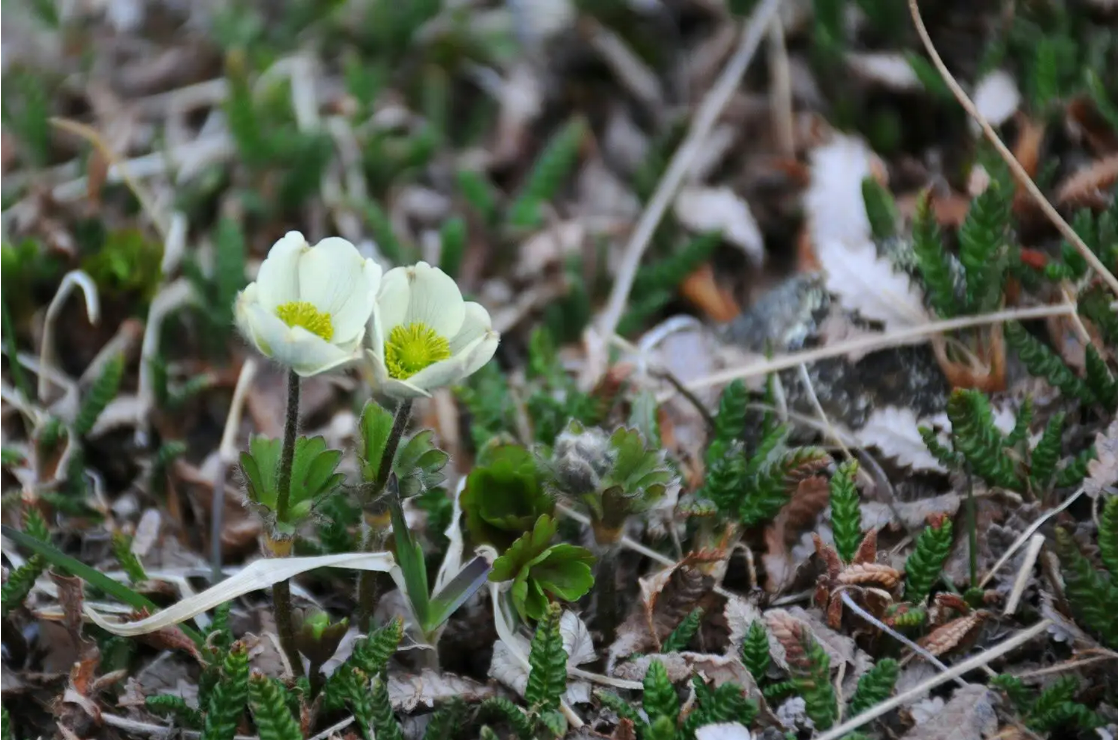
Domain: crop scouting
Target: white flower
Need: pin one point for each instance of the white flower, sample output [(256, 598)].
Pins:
[(423, 335), (723, 731), (309, 305)]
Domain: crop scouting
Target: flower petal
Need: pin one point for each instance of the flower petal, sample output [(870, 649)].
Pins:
[(392, 301), (332, 278), (377, 376), (446, 372), (434, 300), (295, 347), (247, 297), (476, 322), (480, 353), (279, 274)]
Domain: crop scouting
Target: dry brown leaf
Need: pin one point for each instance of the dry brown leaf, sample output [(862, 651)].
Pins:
[(828, 555), (670, 595), (809, 500), (1092, 186), (701, 208), (970, 715), (949, 636), (1103, 471), (867, 549), (429, 687), (739, 613), (701, 289), (625, 730), (870, 574)]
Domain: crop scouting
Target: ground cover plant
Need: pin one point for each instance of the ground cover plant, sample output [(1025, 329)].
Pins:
[(651, 371)]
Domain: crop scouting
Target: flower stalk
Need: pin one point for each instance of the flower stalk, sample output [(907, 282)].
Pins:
[(281, 547), (377, 516)]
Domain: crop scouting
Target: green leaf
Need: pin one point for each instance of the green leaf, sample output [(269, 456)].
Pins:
[(170, 705), (684, 631), (547, 677), (1108, 536), (551, 168), (269, 709), (99, 395), (880, 208), (501, 707), (227, 700), (755, 650), (982, 247), (979, 441), (129, 563), (312, 476), (479, 192), (923, 566), (660, 700), (1092, 594), (874, 686), (452, 245), (538, 569), (1043, 362), (409, 556), (418, 464), (460, 588), (770, 490), (1046, 453), (932, 260), (384, 719), (846, 514), (505, 497), (665, 275)]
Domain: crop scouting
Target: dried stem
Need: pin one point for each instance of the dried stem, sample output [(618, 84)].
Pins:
[(1018, 171), (712, 105)]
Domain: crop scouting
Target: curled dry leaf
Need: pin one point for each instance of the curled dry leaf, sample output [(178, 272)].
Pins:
[(870, 574), (1092, 186), (429, 687), (1103, 471), (670, 595), (895, 432), (739, 613), (701, 289), (949, 636), (970, 714), (701, 209)]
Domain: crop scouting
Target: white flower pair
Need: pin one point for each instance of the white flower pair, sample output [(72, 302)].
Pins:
[(310, 308)]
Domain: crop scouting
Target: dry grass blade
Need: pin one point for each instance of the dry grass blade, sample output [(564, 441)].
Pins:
[(1018, 171), (712, 105), (924, 687), (257, 576), (874, 342)]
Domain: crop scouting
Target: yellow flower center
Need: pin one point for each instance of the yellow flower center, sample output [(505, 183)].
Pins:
[(304, 314), (411, 348)]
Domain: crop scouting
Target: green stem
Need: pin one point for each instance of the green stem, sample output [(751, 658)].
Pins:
[(287, 454), (374, 534), (281, 592), (972, 527)]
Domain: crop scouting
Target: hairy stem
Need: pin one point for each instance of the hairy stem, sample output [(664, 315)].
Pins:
[(376, 515), (605, 579), (281, 592)]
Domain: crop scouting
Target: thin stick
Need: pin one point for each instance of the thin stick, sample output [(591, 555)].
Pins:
[(712, 105), (1023, 574), (955, 671), (875, 342), (1023, 538), (91, 135), (1018, 171), (922, 652), (227, 454)]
